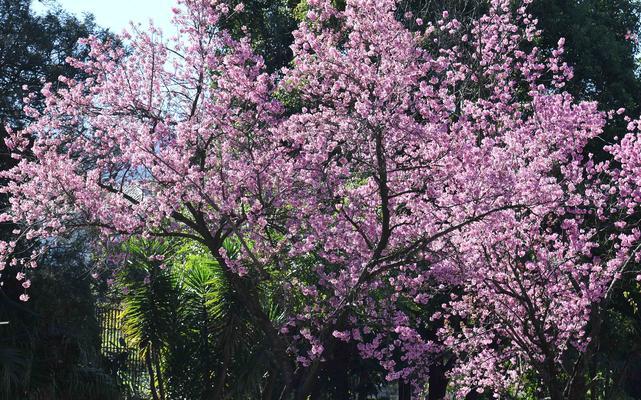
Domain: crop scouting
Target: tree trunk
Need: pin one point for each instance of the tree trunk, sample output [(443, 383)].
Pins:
[(152, 377), (221, 375), (437, 388), (577, 387), (473, 395), (551, 380), (269, 386), (161, 384), (307, 381), (593, 348), (404, 391), (260, 320)]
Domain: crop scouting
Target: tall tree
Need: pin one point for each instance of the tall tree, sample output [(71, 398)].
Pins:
[(50, 347), (270, 24), (601, 47)]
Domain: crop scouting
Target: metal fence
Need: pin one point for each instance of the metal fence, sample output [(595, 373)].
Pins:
[(122, 361)]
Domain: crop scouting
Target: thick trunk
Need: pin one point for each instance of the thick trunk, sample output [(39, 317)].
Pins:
[(269, 386), (250, 300), (363, 392), (161, 385), (593, 348), (221, 376), (307, 381), (473, 395), (210, 385), (152, 377), (548, 369), (551, 380), (555, 392), (261, 321), (404, 391), (577, 387), (438, 381)]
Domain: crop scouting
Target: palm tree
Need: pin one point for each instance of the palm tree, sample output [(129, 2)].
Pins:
[(189, 326), (150, 306)]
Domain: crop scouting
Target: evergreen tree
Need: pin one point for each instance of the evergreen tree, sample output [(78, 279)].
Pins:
[(49, 348)]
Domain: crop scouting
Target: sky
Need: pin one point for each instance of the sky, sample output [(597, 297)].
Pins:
[(116, 14)]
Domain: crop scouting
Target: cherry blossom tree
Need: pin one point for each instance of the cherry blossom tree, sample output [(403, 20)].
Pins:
[(455, 163), (394, 162), (534, 291)]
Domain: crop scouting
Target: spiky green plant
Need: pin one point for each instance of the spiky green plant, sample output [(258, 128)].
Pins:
[(189, 324)]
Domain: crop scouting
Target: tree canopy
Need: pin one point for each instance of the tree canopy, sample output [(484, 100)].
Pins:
[(416, 186)]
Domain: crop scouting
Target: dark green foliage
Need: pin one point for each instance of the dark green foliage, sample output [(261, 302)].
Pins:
[(604, 61), (186, 322), (50, 348), (33, 49), (199, 341), (188, 325), (270, 24), (616, 366)]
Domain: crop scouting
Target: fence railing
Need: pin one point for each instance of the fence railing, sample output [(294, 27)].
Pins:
[(123, 362)]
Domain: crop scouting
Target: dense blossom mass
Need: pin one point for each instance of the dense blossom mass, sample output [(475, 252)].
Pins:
[(400, 177)]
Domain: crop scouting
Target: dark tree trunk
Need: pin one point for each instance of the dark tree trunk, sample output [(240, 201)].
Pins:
[(577, 387), (161, 385), (152, 376), (473, 395), (438, 381), (551, 380), (219, 387), (404, 391), (307, 381), (261, 321), (269, 386)]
